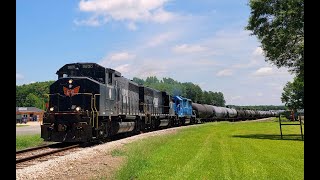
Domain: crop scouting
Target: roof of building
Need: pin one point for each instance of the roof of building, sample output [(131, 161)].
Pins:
[(28, 109)]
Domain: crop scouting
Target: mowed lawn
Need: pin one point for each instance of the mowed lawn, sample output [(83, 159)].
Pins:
[(27, 141), (223, 150)]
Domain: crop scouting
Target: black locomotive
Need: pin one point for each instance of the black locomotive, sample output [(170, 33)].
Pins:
[(89, 101)]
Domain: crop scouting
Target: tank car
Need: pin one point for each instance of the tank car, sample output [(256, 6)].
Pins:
[(201, 111)]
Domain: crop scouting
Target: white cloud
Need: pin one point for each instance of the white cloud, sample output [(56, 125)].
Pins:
[(160, 39), (236, 98), (162, 16), (258, 52), (19, 76), (225, 72), (127, 10), (264, 71), (257, 58), (92, 21), (117, 59), (125, 68), (132, 26), (203, 62), (259, 94), (148, 68), (185, 48), (121, 56)]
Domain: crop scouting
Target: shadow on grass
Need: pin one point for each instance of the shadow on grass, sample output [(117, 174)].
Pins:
[(293, 137)]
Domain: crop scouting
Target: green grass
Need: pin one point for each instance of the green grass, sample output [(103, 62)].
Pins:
[(251, 150), (27, 141), (117, 152), (21, 125)]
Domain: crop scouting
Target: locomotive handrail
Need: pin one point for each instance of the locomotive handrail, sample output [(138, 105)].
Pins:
[(146, 107), (95, 107)]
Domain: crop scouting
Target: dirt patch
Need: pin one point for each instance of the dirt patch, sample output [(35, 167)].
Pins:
[(101, 166)]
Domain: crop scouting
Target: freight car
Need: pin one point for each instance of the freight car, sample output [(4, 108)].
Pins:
[(90, 102)]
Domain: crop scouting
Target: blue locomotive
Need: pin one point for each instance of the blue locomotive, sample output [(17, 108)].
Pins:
[(183, 110)]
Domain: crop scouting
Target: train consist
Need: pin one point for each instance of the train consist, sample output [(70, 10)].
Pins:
[(90, 102)]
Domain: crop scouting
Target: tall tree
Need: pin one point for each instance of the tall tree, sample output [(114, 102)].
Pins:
[(151, 80), (293, 95), (279, 25), (34, 101), (138, 80), (192, 91)]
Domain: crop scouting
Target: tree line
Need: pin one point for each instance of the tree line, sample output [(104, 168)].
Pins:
[(259, 107), (33, 94), (186, 89)]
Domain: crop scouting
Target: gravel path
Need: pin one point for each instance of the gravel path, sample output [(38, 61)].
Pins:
[(88, 163)]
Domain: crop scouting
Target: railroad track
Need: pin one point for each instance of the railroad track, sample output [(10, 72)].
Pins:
[(35, 155)]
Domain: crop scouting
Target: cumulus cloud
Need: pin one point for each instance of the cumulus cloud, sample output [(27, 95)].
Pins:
[(160, 39), (116, 58), (236, 97), (225, 72), (185, 48), (259, 94), (256, 58), (121, 56), (92, 21), (127, 10), (132, 26), (271, 71), (258, 52), (19, 76), (125, 68), (264, 71), (162, 16)]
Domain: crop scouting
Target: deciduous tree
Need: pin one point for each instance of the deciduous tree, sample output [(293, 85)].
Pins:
[(279, 25), (293, 94)]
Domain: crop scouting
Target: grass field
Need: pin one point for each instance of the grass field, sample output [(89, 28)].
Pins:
[(242, 150), (26, 141)]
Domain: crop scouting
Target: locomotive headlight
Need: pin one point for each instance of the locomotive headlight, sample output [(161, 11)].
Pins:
[(70, 81), (52, 108), (78, 108)]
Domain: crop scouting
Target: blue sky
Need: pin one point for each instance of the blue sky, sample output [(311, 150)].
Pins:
[(198, 41)]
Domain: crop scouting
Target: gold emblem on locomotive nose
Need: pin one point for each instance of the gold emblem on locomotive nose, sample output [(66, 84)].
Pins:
[(71, 92)]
